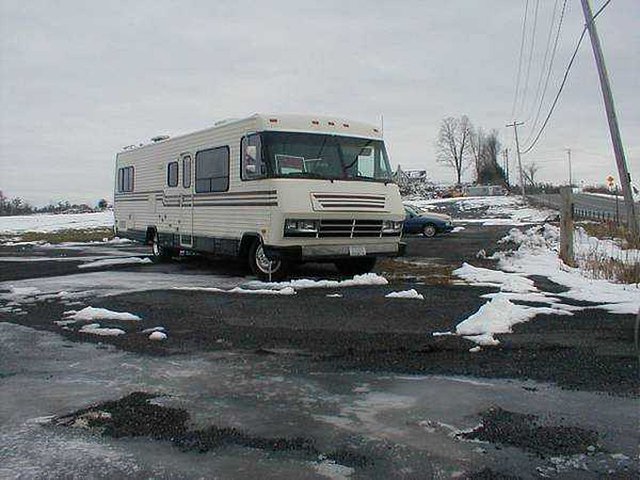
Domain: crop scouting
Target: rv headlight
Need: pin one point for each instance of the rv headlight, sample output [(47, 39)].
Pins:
[(391, 226), (300, 226)]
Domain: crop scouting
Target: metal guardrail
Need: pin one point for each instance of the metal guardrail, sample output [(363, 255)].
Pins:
[(581, 212)]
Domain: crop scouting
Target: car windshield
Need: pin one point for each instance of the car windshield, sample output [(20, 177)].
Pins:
[(410, 210), (332, 157)]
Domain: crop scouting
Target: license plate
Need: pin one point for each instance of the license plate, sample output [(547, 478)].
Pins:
[(357, 251)]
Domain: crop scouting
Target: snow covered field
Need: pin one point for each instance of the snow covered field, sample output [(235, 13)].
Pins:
[(489, 211), (47, 223)]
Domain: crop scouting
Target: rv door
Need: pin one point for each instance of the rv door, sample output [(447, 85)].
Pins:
[(186, 200)]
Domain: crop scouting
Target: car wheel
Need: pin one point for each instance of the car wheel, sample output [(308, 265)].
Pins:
[(429, 230), (160, 253), (263, 267), (355, 266)]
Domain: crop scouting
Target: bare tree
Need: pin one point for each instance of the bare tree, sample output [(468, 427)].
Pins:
[(476, 144), (529, 171), (453, 144)]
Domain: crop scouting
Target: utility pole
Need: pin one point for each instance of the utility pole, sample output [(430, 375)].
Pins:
[(614, 130), (515, 126), (569, 157), (506, 164)]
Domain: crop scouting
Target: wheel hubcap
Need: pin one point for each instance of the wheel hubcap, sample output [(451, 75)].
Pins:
[(264, 264)]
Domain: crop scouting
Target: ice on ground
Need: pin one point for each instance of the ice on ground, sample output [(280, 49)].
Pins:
[(94, 313), (506, 282), (19, 293), (47, 223), (250, 291), (298, 284), (457, 229), (406, 294), (475, 349), (107, 262), (158, 336), (106, 283), (498, 316), (96, 329), (334, 295)]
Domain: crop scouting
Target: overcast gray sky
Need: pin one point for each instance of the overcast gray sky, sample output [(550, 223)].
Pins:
[(81, 79)]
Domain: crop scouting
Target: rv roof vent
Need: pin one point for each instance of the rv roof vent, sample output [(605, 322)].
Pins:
[(160, 138)]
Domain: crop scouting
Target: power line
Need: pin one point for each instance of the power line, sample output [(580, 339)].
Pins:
[(546, 81), (564, 80), (555, 100), (530, 57), (544, 60), (524, 29)]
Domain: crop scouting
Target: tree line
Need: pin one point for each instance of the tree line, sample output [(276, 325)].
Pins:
[(18, 206)]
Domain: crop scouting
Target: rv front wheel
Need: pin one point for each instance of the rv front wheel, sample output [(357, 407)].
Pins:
[(263, 267)]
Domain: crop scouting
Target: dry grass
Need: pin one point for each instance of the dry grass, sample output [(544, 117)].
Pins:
[(88, 235), (610, 269), (609, 230), (430, 273)]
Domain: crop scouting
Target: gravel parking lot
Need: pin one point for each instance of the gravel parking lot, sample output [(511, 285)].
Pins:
[(327, 383)]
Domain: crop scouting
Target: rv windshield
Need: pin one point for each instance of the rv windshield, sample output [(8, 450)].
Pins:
[(311, 155)]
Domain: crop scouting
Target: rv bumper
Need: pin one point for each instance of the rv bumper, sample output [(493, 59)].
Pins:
[(330, 252)]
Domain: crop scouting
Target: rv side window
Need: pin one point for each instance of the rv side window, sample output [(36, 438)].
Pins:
[(186, 171), (212, 170), (125, 179), (172, 174), (251, 165)]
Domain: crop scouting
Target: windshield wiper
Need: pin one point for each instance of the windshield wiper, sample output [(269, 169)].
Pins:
[(308, 175)]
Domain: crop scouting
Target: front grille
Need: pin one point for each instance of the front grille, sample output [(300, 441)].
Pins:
[(338, 201), (350, 228)]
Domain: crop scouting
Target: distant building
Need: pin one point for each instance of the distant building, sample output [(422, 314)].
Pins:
[(405, 177), (485, 191)]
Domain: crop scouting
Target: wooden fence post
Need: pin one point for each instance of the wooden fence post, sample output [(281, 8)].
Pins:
[(566, 226)]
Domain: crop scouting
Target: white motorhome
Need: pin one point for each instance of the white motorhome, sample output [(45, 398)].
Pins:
[(273, 189)]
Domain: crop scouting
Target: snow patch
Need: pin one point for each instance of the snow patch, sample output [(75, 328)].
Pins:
[(332, 470), (506, 282), (116, 261), (250, 291), (94, 313), (158, 336), (498, 316), (406, 294), (96, 329), (302, 283)]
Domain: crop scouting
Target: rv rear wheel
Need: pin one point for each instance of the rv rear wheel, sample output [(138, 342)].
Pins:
[(355, 266), (160, 252), (264, 268)]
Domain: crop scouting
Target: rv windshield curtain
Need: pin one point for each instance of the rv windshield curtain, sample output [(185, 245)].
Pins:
[(310, 155)]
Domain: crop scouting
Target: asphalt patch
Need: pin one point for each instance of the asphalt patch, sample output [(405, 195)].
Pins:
[(524, 431), (134, 416)]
